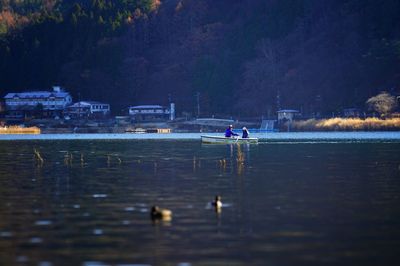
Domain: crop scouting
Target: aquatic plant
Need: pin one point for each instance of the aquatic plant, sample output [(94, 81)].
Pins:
[(68, 159), (38, 157)]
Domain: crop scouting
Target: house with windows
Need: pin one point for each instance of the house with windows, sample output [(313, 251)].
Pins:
[(21, 105), (88, 109), (151, 113)]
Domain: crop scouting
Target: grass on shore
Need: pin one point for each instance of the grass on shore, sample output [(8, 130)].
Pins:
[(347, 124), (19, 130)]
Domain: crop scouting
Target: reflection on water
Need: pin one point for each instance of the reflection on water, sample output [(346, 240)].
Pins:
[(87, 202)]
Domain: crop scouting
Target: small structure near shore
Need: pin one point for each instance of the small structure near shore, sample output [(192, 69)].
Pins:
[(87, 109), (267, 126), (148, 130), (287, 115), (151, 113)]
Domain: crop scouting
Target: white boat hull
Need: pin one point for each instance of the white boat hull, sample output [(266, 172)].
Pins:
[(219, 139)]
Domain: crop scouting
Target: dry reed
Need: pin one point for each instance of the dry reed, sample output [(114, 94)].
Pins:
[(68, 159), (347, 124), (240, 155), (19, 130), (38, 157)]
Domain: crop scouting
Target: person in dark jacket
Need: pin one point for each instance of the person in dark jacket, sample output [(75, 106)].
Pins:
[(245, 133), (229, 133)]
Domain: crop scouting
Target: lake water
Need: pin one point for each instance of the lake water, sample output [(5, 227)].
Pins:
[(273, 136), (293, 199)]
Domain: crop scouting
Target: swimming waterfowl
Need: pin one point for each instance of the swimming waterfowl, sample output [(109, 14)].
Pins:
[(217, 202), (160, 214)]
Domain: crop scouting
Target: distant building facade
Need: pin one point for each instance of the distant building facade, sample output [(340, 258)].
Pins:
[(36, 103), (88, 109), (148, 113)]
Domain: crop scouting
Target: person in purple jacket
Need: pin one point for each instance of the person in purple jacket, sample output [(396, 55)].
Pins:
[(229, 133)]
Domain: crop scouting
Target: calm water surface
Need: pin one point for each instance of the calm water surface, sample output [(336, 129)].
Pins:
[(285, 202)]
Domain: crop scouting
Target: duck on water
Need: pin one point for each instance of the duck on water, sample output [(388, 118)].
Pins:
[(158, 213)]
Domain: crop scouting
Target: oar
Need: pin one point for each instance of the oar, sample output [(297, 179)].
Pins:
[(237, 139)]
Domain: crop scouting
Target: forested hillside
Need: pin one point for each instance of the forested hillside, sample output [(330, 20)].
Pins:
[(244, 58)]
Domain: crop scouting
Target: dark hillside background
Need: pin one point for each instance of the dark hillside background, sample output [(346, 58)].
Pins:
[(244, 58)]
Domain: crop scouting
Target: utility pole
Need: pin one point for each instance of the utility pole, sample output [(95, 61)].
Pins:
[(79, 105), (278, 100), (171, 107), (198, 104)]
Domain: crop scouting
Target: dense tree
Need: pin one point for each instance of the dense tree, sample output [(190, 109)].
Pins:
[(248, 57), (383, 103)]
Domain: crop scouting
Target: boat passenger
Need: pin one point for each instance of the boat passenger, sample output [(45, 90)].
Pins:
[(245, 133), (229, 133)]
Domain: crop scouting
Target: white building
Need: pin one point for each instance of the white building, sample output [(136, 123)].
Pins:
[(47, 103), (287, 115), (152, 112), (88, 109)]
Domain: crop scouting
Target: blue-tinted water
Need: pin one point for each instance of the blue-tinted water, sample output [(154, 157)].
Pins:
[(273, 136), (329, 199)]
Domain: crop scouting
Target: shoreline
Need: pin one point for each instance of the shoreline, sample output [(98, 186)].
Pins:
[(205, 126)]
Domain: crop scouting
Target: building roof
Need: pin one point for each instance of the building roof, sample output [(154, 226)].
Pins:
[(93, 102), (36, 94), (80, 104), (86, 103), (147, 107), (288, 111)]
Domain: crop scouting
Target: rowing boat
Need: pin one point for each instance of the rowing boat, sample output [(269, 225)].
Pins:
[(219, 139)]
